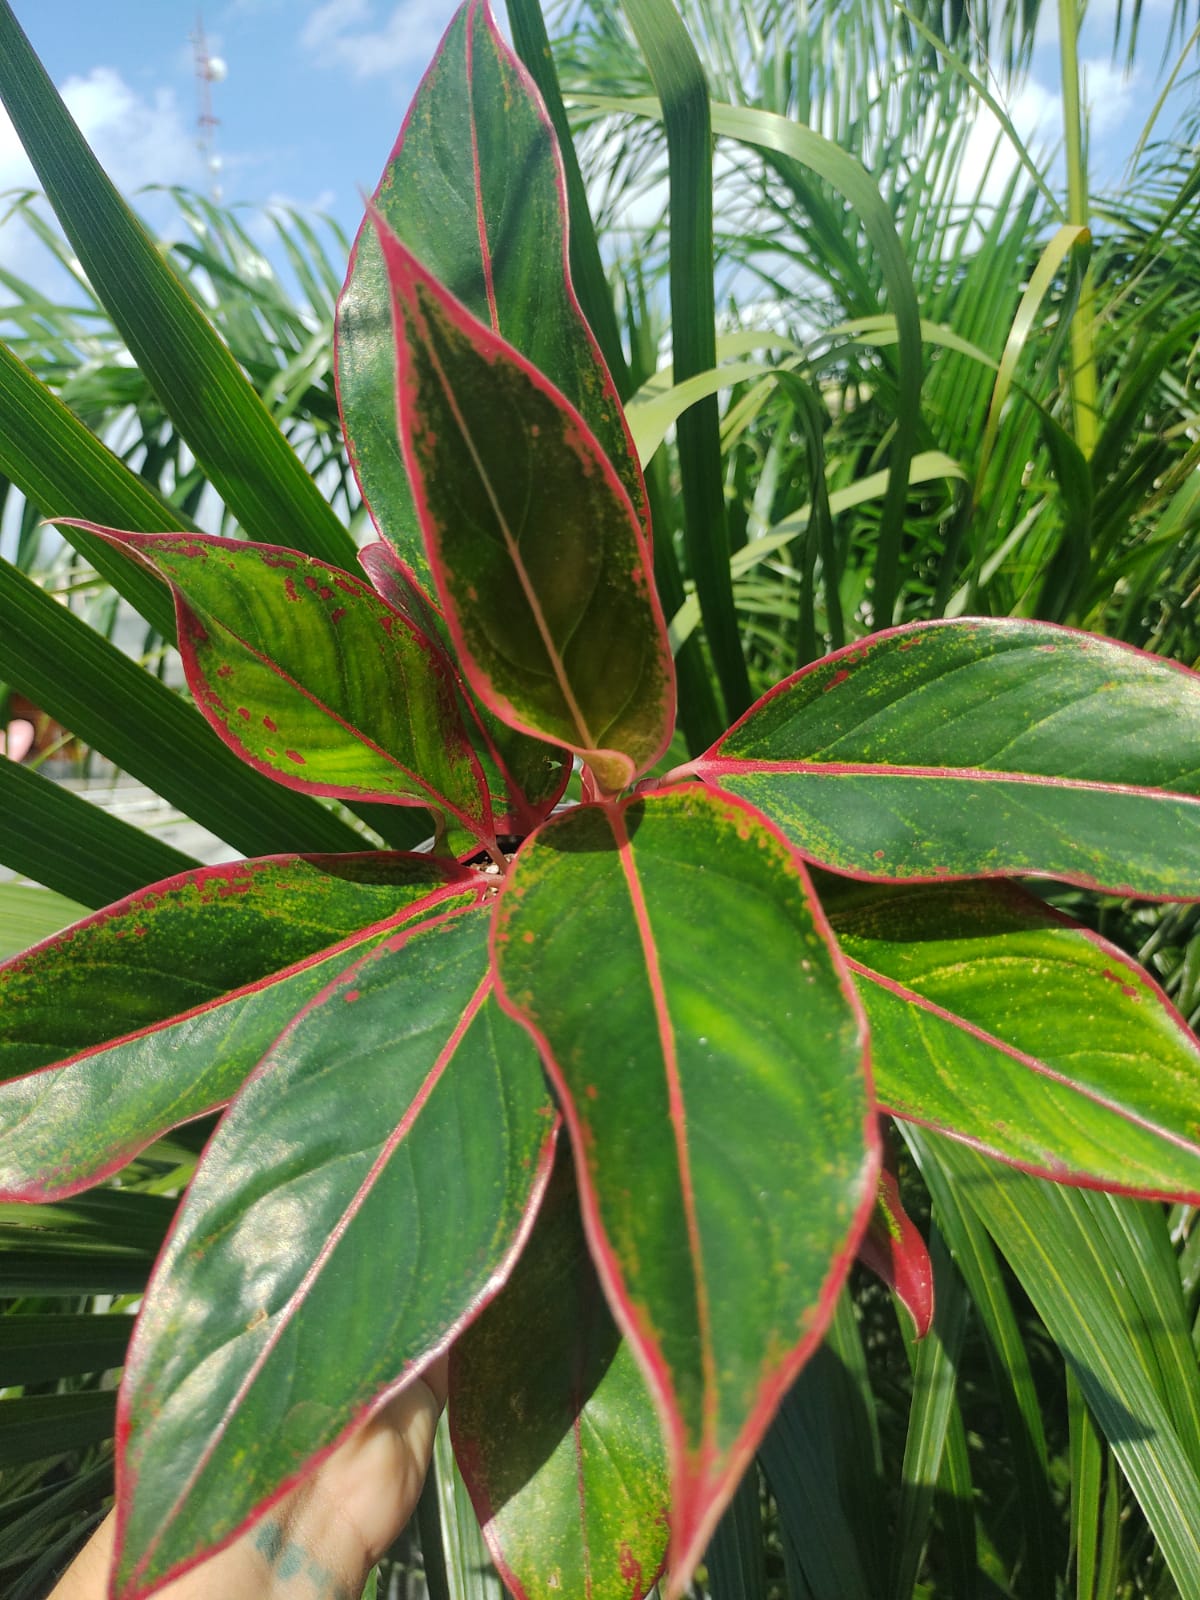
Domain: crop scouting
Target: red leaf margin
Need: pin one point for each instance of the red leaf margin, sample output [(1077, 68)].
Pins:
[(607, 387), (695, 1513), (406, 274), (457, 877), (124, 1490), (711, 764)]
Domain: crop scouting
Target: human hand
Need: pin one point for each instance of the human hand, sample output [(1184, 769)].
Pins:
[(322, 1539)]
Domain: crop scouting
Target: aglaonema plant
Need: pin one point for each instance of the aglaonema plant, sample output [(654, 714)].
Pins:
[(587, 1094)]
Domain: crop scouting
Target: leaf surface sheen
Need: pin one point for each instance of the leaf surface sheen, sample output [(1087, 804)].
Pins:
[(475, 189), (540, 564), (1002, 1022), (981, 748), (365, 1195), (553, 1428), (709, 1054), (155, 1010), (312, 678)]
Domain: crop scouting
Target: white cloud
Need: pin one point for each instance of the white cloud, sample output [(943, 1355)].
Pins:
[(138, 139), (990, 158), (1108, 92), (349, 34)]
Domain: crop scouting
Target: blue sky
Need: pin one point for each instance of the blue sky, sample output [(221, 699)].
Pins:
[(316, 91)]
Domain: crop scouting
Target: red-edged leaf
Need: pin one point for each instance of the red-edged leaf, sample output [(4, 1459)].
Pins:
[(997, 1020), (553, 1428), (364, 1197), (709, 1053), (475, 189), (156, 1009), (538, 557), (312, 678), (894, 1250), (525, 776), (981, 748)]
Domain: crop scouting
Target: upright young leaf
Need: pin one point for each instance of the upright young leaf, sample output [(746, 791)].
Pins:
[(720, 1238), (997, 1020), (155, 1010), (553, 1427), (893, 1249), (309, 676), (365, 1195), (475, 189), (981, 748), (536, 550)]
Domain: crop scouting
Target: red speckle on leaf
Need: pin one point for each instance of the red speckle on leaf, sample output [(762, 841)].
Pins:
[(243, 713), (387, 621), (325, 592), (336, 615), (270, 726), (294, 755), (545, 1111), (346, 585), (311, 583), (233, 886), (289, 589), (225, 672), (879, 854), (269, 752), (277, 558), (350, 996), (141, 931), (1046, 649), (839, 676), (591, 1091), (528, 936), (1129, 990)]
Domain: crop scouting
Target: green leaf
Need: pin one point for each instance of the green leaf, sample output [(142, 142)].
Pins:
[(364, 1196), (94, 1243), (1078, 1282), (720, 1241), (553, 1429), (40, 1426), (148, 730), (475, 189), (65, 471), (28, 914), (680, 83), (312, 678), (37, 1349), (981, 748), (536, 550), (73, 847), (998, 1020), (192, 980), (244, 455)]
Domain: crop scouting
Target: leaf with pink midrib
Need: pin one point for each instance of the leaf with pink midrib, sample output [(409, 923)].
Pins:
[(536, 552), (312, 678), (475, 189), (720, 1240), (155, 1010), (982, 747), (1003, 1023), (329, 1235)]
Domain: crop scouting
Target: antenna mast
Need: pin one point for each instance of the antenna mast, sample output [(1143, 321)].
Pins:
[(210, 69)]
